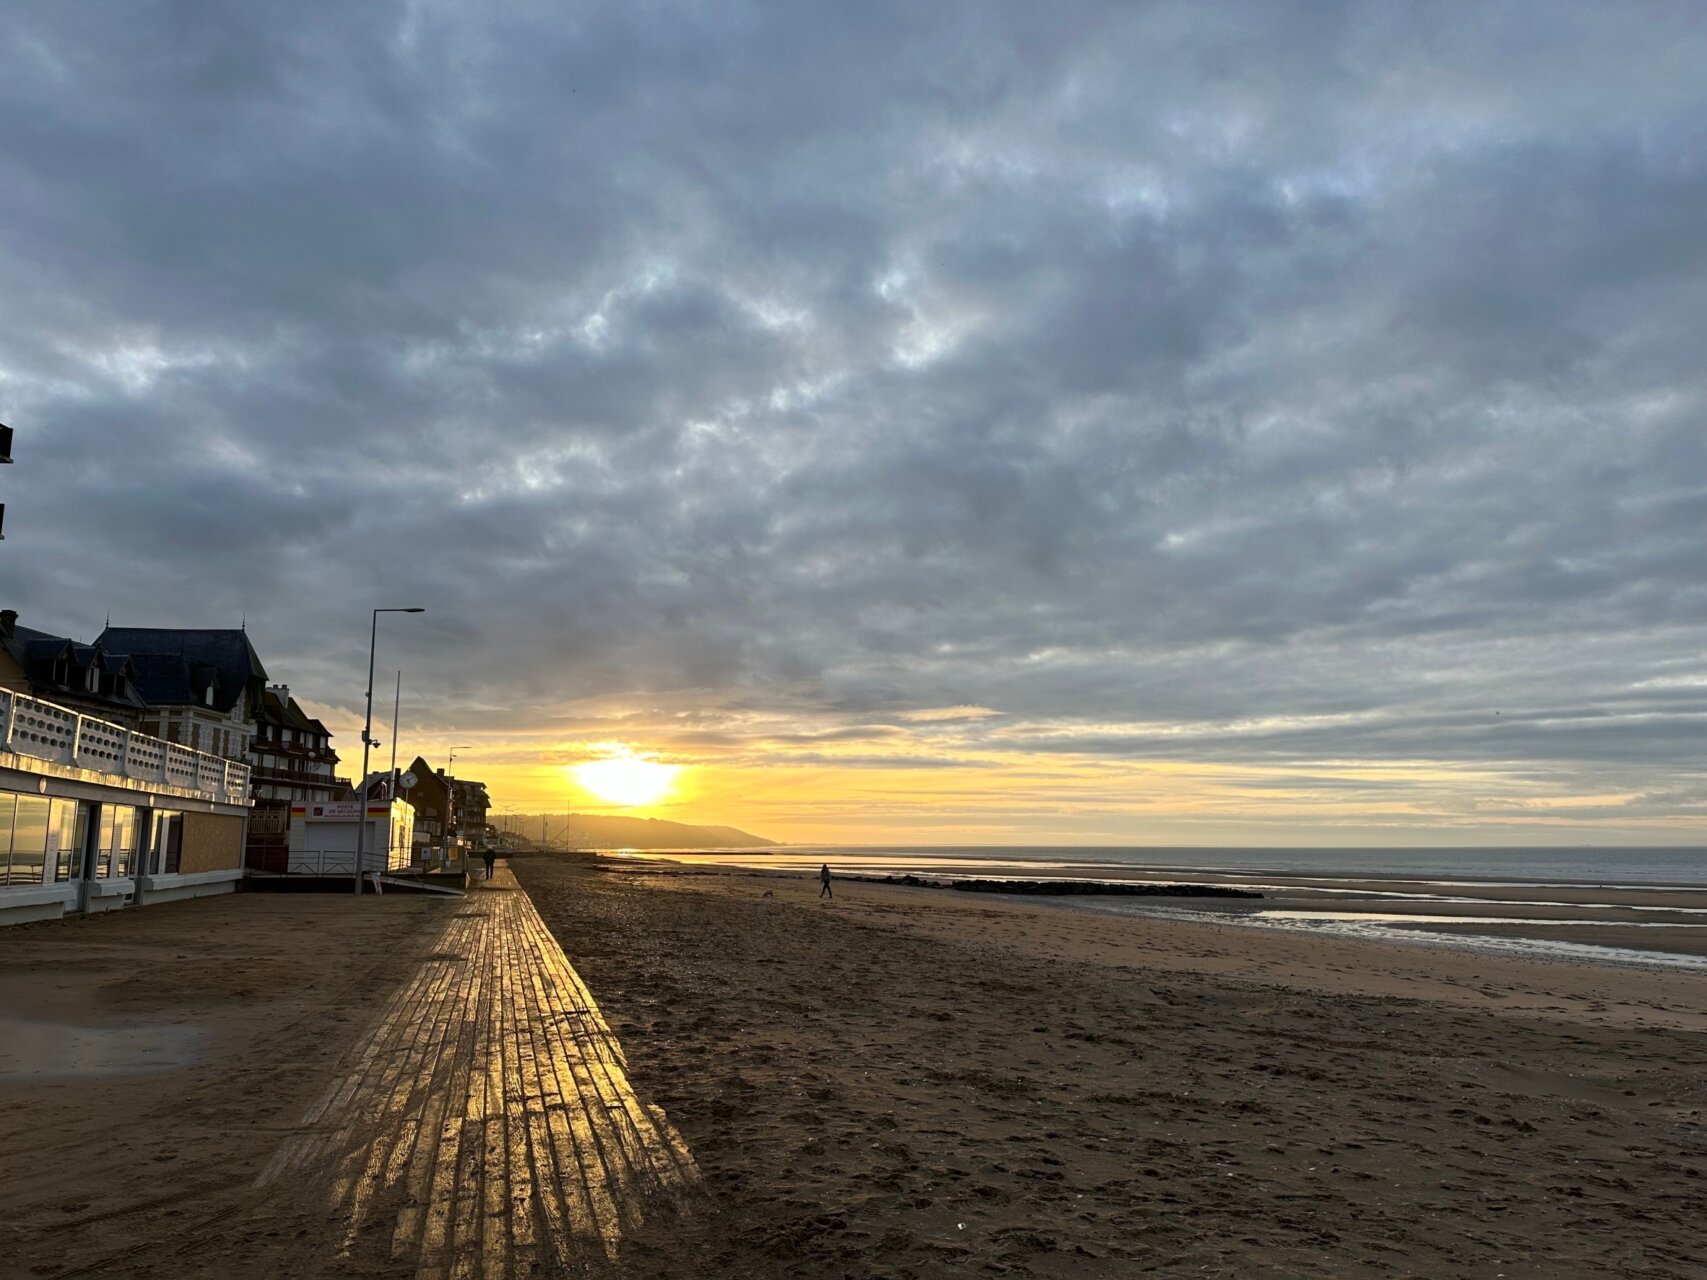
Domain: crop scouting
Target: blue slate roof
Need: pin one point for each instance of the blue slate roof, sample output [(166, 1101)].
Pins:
[(177, 666)]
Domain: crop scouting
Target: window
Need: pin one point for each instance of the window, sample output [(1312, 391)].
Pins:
[(103, 851), (115, 856), (29, 840), (71, 819), (166, 842), (126, 830), (8, 805)]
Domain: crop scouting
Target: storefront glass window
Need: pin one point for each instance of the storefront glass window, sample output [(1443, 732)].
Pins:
[(124, 842), (72, 820), (167, 842), (7, 804), (29, 840)]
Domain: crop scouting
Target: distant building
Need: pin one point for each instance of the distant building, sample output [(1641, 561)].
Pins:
[(431, 796), (293, 765), (291, 753), (469, 806)]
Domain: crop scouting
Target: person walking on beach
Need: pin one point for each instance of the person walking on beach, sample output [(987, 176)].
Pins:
[(824, 882), (491, 861)]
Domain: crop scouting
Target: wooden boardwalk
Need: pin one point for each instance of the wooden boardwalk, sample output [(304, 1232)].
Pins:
[(484, 1124)]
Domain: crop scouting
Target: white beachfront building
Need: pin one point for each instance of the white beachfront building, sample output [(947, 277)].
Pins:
[(94, 816)]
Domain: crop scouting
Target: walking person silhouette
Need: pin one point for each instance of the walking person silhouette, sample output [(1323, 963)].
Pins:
[(824, 882)]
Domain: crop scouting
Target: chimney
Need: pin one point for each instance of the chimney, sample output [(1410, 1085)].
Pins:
[(283, 692), (8, 622)]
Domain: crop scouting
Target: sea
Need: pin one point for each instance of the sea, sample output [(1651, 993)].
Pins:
[(1644, 906), (1561, 865)]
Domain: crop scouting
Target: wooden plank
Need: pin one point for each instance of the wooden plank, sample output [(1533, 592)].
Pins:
[(485, 1122)]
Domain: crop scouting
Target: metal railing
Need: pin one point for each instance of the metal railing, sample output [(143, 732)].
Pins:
[(48, 731)]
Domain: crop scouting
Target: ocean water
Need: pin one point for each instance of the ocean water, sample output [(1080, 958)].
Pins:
[(1455, 878), (1575, 865)]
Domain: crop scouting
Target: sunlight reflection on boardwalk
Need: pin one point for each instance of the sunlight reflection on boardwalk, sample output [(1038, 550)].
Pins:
[(484, 1125)]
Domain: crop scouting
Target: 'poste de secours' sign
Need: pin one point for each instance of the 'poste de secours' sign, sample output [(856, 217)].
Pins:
[(345, 811)]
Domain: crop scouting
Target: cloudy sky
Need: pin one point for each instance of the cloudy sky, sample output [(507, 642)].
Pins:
[(960, 422)]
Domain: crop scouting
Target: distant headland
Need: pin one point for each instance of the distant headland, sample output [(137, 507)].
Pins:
[(600, 831)]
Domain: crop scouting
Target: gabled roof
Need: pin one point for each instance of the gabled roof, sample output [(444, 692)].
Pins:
[(177, 666), (276, 710), (39, 653)]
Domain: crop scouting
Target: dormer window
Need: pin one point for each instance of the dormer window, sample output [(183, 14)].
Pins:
[(209, 698)]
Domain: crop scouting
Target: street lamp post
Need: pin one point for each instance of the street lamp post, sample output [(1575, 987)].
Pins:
[(450, 773), (367, 743)]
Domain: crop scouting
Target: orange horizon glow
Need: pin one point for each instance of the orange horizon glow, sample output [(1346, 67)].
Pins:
[(929, 780)]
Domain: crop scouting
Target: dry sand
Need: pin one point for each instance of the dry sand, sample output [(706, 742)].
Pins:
[(914, 1083)]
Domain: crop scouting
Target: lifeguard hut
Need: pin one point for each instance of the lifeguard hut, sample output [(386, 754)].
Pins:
[(323, 837)]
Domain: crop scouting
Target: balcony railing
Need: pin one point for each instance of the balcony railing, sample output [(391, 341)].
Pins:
[(60, 735), (297, 777)]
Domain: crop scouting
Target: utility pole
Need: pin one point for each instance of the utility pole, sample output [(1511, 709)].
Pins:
[(396, 706), (367, 743)]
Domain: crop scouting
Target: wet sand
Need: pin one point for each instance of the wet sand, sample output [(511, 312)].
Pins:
[(152, 1061), (909, 1082), (1656, 918)]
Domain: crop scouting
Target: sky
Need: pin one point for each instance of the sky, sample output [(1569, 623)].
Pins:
[(979, 423)]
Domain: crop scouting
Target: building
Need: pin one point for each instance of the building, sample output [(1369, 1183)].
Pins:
[(431, 796), (203, 688), (207, 689), (323, 836), (469, 806), (95, 816), (83, 677), (293, 766)]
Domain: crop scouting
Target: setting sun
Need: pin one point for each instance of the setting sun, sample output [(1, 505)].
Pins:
[(626, 780)]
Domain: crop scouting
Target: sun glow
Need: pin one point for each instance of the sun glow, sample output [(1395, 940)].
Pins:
[(626, 780)]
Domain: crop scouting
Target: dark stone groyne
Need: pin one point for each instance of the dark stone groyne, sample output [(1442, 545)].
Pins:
[(1062, 888)]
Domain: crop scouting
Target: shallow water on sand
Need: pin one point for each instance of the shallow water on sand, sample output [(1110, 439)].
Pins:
[(1476, 898), (1667, 865), (47, 1051)]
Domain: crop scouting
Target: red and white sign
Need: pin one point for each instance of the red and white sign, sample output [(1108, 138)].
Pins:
[(342, 811)]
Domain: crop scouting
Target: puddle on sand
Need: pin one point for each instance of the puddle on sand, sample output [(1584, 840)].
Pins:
[(39, 1052)]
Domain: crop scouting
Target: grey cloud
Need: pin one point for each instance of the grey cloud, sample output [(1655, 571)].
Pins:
[(1101, 364)]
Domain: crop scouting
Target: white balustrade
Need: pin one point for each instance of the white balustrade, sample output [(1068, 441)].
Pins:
[(47, 731)]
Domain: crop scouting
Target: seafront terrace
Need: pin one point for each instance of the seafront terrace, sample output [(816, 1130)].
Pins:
[(95, 816), (41, 736), (432, 1092)]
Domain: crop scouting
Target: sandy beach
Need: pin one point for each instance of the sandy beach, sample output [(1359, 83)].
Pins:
[(201, 1032), (909, 1082), (895, 1082)]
